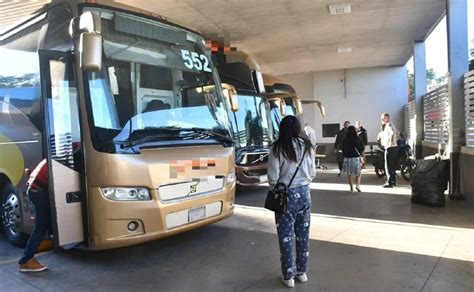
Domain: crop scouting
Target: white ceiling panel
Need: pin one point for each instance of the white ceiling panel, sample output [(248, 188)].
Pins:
[(290, 36)]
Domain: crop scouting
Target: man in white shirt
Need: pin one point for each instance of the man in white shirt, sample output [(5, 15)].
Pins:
[(389, 142)]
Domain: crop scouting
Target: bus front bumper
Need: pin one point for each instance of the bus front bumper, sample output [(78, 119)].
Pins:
[(251, 175), (116, 224)]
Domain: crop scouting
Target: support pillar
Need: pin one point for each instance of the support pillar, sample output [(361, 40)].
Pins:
[(456, 19), (419, 62)]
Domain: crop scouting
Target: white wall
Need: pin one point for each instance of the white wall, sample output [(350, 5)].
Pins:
[(368, 93)]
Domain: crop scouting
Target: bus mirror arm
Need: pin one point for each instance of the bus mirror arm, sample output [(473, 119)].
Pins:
[(87, 22), (87, 28)]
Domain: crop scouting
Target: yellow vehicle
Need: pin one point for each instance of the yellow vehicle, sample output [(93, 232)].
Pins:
[(283, 101), (129, 111)]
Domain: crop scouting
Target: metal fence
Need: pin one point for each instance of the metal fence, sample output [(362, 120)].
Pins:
[(469, 106), (436, 115), (410, 121)]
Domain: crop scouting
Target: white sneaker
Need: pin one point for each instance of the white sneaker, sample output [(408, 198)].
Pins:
[(289, 283), (303, 278)]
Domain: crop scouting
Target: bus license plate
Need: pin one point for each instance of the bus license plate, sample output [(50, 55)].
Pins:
[(196, 213)]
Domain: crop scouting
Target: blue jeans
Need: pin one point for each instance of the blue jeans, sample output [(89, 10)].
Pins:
[(40, 200), (294, 223)]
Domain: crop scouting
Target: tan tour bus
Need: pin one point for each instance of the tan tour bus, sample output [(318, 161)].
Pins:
[(129, 111), (250, 121), (283, 100)]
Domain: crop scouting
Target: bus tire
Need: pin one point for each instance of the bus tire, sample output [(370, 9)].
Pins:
[(11, 216)]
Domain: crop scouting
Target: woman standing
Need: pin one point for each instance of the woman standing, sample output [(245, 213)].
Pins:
[(285, 155), (351, 150)]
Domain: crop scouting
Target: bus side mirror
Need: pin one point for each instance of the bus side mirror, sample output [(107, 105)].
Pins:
[(258, 81), (283, 108), (231, 94), (88, 28), (90, 50), (299, 107)]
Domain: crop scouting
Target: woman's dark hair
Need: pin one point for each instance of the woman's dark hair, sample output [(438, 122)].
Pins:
[(351, 136), (290, 128)]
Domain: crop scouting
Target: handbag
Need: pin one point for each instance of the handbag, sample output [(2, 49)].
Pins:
[(277, 198), (361, 159)]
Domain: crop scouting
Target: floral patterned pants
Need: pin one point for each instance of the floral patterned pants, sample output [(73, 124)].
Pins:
[(294, 225)]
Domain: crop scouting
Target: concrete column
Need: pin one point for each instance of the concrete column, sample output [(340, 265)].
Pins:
[(419, 62), (456, 20)]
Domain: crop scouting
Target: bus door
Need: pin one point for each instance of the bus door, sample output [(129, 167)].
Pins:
[(64, 147)]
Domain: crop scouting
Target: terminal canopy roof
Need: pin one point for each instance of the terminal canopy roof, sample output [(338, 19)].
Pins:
[(290, 36)]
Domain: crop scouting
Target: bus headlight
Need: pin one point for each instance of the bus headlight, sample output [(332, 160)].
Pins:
[(231, 178), (127, 194)]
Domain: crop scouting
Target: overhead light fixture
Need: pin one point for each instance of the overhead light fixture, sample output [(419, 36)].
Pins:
[(341, 8), (344, 49)]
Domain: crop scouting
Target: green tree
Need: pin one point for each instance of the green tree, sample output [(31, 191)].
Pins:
[(431, 78)]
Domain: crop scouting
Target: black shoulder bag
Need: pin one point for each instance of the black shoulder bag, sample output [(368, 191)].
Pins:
[(277, 198)]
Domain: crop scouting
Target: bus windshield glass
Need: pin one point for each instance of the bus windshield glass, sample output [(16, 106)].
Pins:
[(290, 106), (249, 124), (156, 80)]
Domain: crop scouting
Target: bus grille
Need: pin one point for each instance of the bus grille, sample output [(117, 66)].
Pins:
[(192, 189)]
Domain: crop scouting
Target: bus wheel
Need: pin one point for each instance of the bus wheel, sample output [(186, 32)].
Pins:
[(12, 217)]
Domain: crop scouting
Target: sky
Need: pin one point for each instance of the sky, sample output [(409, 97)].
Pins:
[(437, 46)]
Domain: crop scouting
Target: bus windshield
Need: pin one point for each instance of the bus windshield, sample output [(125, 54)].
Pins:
[(290, 106), (156, 80), (249, 124)]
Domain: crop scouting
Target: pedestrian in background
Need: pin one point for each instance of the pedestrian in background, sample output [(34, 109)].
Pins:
[(338, 145), (389, 142), (362, 133), (352, 149), (293, 226), (38, 194)]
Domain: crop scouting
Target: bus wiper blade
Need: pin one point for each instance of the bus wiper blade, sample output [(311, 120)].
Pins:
[(165, 134), (210, 133), (128, 144)]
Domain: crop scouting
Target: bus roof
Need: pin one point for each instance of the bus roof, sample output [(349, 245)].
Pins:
[(27, 21)]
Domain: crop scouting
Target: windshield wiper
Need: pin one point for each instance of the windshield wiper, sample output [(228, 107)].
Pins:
[(166, 131), (128, 144), (209, 133)]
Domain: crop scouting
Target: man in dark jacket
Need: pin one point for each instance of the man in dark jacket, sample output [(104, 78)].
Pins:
[(362, 133), (338, 145)]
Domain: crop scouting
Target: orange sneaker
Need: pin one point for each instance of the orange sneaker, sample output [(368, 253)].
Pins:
[(32, 266)]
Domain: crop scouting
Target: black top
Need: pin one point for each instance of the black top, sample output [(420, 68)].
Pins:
[(341, 136), (349, 148), (362, 133)]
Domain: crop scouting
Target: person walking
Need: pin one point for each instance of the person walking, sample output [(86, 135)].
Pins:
[(352, 149), (286, 153), (389, 142), (38, 194), (338, 145), (362, 133)]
